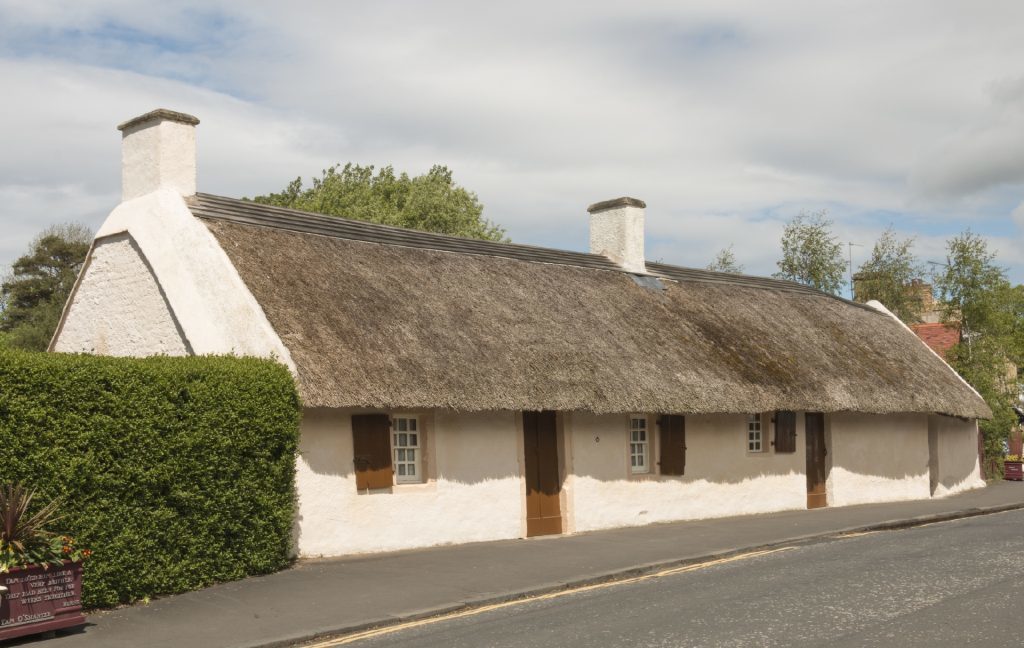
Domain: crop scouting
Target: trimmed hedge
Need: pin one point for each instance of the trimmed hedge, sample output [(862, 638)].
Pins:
[(177, 472)]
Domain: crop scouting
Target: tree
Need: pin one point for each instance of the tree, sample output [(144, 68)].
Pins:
[(973, 289), (33, 295), (888, 275), (725, 261), (430, 202), (978, 298), (811, 254)]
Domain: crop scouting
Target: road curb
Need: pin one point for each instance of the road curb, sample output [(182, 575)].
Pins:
[(325, 633)]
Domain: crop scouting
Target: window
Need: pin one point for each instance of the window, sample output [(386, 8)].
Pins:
[(755, 440), (405, 443), (639, 446)]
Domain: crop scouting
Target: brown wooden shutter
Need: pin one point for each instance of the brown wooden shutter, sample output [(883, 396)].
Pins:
[(785, 431), (673, 444), (372, 449)]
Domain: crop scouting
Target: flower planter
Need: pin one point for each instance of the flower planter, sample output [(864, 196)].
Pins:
[(1013, 470), (40, 599)]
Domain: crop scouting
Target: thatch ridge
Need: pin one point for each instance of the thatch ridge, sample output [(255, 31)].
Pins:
[(372, 324), (242, 211)]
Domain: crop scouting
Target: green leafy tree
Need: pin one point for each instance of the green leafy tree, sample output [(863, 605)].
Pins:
[(33, 295), (811, 254), (725, 261), (978, 298), (973, 289), (887, 276), (430, 202), (1014, 300)]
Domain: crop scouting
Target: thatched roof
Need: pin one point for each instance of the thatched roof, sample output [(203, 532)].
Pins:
[(387, 318)]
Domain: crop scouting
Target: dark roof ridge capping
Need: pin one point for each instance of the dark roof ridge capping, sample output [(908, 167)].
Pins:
[(209, 206)]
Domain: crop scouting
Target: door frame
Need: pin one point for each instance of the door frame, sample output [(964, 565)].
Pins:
[(564, 448), (817, 500)]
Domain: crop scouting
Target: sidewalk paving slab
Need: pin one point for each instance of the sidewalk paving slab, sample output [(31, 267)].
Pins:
[(331, 596)]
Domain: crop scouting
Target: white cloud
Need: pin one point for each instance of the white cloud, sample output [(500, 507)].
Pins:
[(727, 118)]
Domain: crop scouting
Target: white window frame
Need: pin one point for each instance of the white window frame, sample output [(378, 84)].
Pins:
[(639, 435), (754, 426), (405, 443)]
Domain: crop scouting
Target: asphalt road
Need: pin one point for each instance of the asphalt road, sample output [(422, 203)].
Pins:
[(957, 583)]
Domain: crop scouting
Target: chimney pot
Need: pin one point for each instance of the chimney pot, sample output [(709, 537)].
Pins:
[(617, 232), (158, 151)]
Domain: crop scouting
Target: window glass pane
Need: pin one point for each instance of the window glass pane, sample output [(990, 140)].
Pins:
[(401, 455), (633, 461), (400, 424), (412, 425), (401, 469), (411, 454), (413, 440), (403, 439), (412, 469)]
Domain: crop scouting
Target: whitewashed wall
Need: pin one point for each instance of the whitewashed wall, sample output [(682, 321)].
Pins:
[(211, 305), (119, 308), (721, 478), (877, 458), (954, 463), (474, 491)]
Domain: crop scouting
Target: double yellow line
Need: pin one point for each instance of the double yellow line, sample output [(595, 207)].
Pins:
[(379, 632)]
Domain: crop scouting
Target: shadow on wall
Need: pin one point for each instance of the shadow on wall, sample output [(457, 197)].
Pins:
[(949, 485), (714, 475), (472, 450), (953, 459), (890, 447)]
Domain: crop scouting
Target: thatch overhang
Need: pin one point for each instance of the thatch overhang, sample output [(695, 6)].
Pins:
[(379, 317)]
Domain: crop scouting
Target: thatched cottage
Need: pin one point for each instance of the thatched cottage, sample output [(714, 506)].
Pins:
[(460, 390)]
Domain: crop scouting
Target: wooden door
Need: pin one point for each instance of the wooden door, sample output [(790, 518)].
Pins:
[(815, 434), (672, 444), (543, 483)]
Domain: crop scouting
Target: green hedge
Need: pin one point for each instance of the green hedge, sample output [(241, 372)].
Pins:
[(177, 472)]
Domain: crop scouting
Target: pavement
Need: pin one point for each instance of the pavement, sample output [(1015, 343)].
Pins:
[(318, 598)]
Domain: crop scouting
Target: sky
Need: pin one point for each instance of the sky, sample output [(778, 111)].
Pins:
[(727, 118)]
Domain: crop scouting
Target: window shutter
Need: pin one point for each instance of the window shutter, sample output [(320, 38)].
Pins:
[(372, 449), (785, 431), (673, 444)]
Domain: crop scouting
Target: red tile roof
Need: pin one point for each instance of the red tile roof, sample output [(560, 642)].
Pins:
[(940, 337)]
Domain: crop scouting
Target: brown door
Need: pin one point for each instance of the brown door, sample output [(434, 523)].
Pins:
[(673, 445), (815, 433), (540, 442)]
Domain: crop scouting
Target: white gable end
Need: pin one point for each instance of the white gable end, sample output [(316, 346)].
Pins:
[(203, 296), (119, 308)]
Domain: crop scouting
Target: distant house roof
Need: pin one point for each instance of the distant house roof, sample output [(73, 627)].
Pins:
[(375, 316), (939, 337)]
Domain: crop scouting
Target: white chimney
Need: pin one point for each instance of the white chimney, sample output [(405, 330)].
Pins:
[(617, 232), (158, 151)]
